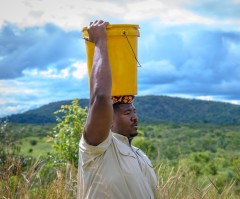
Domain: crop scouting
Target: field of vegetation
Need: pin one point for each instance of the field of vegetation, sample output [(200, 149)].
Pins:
[(192, 160)]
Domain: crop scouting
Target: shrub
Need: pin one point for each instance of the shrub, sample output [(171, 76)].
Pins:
[(33, 142), (68, 131)]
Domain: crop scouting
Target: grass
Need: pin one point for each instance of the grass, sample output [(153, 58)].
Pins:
[(35, 181), (34, 178), (175, 183), (35, 146), (61, 183)]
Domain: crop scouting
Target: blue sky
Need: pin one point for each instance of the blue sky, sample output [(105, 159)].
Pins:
[(187, 48)]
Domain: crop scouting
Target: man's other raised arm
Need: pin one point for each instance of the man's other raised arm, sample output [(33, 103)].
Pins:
[(100, 112)]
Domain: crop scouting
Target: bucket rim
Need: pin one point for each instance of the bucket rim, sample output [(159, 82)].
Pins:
[(116, 25)]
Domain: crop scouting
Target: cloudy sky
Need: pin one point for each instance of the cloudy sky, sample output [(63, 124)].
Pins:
[(187, 48)]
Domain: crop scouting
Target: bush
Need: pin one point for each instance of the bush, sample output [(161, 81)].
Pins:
[(68, 131), (33, 142)]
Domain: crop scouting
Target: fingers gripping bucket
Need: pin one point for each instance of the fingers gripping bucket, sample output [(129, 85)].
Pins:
[(122, 53)]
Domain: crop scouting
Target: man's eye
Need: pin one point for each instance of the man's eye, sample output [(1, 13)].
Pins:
[(127, 112)]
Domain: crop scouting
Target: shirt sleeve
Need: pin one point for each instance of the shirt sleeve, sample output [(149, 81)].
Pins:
[(89, 152)]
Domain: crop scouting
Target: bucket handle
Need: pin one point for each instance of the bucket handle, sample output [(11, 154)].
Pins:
[(124, 33)]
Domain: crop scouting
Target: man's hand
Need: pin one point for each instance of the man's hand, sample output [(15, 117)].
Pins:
[(97, 31)]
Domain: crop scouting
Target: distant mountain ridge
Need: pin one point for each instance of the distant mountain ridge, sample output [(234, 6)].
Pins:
[(150, 109)]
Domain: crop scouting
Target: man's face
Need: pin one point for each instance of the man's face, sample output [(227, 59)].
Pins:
[(125, 121)]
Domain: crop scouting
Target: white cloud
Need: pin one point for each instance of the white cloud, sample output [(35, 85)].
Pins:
[(208, 98), (54, 73), (77, 70), (218, 99), (11, 109), (177, 59), (81, 70), (39, 87), (14, 97), (167, 13), (9, 87), (237, 102), (75, 14)]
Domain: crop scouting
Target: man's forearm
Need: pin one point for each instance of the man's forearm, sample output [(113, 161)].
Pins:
[(101, 80), (100, 112)]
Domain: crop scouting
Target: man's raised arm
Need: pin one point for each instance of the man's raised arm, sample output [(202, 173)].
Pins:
[(100, 112)]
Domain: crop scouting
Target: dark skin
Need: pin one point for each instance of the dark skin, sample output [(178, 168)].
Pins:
[(125, 121), (100, 115), (100, 112)]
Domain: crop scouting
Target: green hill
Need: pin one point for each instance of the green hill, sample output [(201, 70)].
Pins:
[(151, 109), (174, 109)]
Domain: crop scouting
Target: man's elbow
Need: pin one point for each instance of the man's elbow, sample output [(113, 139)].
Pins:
[(99, 99), (102, 98)]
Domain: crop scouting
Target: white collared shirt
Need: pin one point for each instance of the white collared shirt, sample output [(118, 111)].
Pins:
[(115, 170)]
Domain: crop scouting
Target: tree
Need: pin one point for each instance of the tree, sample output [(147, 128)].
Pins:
[(68, 131)]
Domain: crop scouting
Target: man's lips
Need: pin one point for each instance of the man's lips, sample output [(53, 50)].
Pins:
[(135, 125)]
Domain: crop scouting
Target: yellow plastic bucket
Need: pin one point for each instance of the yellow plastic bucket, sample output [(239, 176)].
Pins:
[(122, 53)]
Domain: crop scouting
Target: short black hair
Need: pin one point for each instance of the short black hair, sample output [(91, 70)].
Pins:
[(116, 106)]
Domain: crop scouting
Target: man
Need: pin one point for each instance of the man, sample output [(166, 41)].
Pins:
[(109, 166)]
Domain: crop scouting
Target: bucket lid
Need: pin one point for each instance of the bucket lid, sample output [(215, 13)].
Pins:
[(118, 29)]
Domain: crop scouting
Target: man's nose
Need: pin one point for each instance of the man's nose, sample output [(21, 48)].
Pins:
[(134, 117)]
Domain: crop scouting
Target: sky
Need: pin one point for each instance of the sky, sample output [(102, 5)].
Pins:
[(187, 48)]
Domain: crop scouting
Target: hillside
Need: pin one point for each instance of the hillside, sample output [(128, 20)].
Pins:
[(151, 109)]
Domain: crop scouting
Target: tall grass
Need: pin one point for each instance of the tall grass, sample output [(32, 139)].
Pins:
[(37, 181), (177, 183)]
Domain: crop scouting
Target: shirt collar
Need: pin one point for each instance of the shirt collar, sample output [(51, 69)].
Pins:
[(122, 138)]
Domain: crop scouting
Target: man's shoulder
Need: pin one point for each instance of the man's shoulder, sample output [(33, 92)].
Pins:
[(139, 151), (143, 155), (136, 149), (84, 146)]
